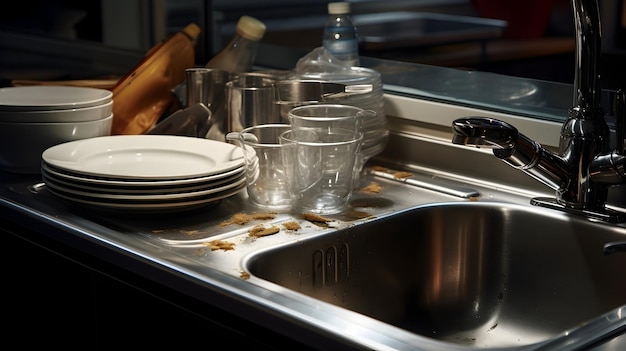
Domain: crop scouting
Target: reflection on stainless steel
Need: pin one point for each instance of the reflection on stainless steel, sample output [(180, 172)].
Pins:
[(586, 165), (431, 184), (303, 91), (615, 246), (390, 30), (478, 86), (37, 187)]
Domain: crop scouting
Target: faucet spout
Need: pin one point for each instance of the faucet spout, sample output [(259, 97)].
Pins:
[(587, 88), (585, 166), (585, 133)]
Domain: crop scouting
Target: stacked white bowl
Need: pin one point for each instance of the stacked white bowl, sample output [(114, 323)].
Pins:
[(34, 118)]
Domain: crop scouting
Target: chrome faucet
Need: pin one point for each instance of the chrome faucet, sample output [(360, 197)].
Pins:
[(586, 165)]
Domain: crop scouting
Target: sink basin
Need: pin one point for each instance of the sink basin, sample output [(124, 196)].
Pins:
[(479, 274)]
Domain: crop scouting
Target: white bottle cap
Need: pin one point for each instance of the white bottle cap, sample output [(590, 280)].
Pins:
[(250, 28), (338, 8)]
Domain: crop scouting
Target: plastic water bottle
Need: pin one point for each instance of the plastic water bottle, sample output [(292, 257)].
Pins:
[(340, 35), (238, 56)]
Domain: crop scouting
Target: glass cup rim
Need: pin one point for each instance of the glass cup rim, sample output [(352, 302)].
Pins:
[(260, 127), (250, 83), (296, 109), (358, 138)]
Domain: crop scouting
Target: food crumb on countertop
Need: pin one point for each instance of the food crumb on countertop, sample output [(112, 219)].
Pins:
[(291, 225), (379, 168), (237, 218), (244, 275), (260, 231), (220, 245), (244, 218), (396, 174), (312, 217), (402, 175), (373, 187), (263, 215)]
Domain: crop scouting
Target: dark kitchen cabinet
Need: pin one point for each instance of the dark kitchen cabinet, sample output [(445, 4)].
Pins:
[(61, 297)]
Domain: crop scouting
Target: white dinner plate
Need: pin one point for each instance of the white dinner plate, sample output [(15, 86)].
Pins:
[(143, 198), (153, 190), (129, 184), (157, 207), (145, 157), (51, 97)]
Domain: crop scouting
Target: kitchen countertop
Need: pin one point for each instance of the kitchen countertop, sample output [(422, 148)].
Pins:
[(156, 248)]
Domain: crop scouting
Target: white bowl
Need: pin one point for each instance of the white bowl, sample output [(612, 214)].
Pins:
[(21, 144), (51, 97), (83, 114)]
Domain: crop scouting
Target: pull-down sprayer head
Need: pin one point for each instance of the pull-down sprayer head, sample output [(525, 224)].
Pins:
[(484, 132)]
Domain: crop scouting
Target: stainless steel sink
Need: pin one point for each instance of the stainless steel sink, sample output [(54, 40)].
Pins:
[(478, 274)]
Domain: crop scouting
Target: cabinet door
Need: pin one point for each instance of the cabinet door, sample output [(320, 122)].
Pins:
[(46, 296), (62, 297)]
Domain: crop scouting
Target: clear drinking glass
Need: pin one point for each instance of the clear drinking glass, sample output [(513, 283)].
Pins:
[(267, 161), (321, 174)]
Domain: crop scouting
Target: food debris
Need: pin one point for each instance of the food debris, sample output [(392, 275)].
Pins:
[(237, 218), (312, 217), (291, 225), (402, 175), (244, 275), (396, 174), (263, 215), (260, 231), (220, 245), (380, 169), (244, 218), (190, 232), (373, 187)]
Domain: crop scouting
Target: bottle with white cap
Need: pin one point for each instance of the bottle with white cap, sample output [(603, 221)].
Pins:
[(238, 56), (340, 34)]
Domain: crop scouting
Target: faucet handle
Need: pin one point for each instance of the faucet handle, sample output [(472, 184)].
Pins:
[(484, 132)]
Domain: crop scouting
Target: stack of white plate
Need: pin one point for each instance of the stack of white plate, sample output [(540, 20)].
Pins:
[(144, 173), (33, 118)]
